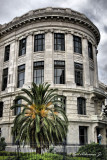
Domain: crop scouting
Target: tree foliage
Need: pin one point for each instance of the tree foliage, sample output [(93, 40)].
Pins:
[(42, 120)]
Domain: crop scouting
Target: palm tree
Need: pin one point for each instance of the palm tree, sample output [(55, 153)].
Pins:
[(42, 120)]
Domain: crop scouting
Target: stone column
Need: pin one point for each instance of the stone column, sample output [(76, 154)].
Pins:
[(48, 58), (86, 73), (29, 61), (69, 65), (11, 83), (95, 67)]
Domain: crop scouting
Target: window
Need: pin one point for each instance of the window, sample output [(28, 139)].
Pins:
[(0, 132), (38, 73), (22, 47), (90, 51), (21, 76), (1, 109), (4, 79), (83, 135), (81, 103), (59, 42), (17, 110), (64, 102), (39, 42), (78, 74), (77, 44), (59, 72), (7, 53)]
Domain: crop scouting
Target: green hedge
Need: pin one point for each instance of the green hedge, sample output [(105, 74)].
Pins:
[(93, 150)]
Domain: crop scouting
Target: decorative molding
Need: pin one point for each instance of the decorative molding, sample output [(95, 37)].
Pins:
[(59, 14)]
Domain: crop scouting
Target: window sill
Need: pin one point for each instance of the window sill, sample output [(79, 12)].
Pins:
[(79, 54), (21, 56), (59, 51), (39, 52)]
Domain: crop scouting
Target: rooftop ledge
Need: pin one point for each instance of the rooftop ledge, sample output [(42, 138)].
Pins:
[(65, 14)]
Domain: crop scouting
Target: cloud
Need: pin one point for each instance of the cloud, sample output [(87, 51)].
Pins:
[(95, 10)]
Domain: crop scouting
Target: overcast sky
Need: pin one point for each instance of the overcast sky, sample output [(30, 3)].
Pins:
[(95, 10)]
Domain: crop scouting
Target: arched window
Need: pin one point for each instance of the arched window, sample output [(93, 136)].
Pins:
[(1, 109), (81, 105)]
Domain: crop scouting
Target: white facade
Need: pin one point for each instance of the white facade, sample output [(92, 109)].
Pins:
[(49, 21)]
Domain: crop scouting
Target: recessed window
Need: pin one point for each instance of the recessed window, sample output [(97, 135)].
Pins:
[(17, 110), (39, 42), (1, 109), (38, 73), (4, 79), (7, 53), (22, 47), (59, 72), (81, 103), (59, 42), (90, 51), (83, 135), (77, 44), (78, 74), (0, 132), (21, 75)]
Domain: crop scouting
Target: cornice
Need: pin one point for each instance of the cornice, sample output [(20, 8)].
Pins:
[(50, 14)]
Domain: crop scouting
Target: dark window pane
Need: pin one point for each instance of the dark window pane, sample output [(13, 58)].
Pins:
[(77, 44), (22, 47), (21, 76), (4, 79), (59, 41), (90, 51), (1, 109), (78, 74), (38, 73), (83, 135), (39, 42), (81, 103), (7, 53), (59, 72), (17, 109)]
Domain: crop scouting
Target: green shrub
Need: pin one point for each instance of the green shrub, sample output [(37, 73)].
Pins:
[(92, 150), (2, 144)]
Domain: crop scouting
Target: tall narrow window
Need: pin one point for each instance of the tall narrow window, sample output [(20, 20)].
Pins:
[(81, 103), (1, 109), (4, 79), (39, 42), (38, 74), (77, 44), (78, 74), (90, 51), (59, 72), (59, 42), (22, 47), (83, 135), (21, 76), (7, 53), (0, 132), (17, 110)]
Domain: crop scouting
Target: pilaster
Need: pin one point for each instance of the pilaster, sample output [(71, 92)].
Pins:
[(95, 67), (48, 58), (29, 61), (69, 65), (86, 73)]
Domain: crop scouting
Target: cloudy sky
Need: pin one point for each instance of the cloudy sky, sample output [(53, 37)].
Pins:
[(95, 10)]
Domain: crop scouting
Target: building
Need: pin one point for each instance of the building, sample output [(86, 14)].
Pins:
[(58, 46)]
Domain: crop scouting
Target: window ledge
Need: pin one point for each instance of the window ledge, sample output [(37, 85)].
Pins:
[(24, 55), (59, 51), (39, 52)]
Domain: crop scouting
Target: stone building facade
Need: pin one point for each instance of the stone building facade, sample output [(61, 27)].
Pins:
[(58, 46)]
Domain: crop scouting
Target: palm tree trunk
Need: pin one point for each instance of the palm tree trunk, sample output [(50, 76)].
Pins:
[(38, 150)]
